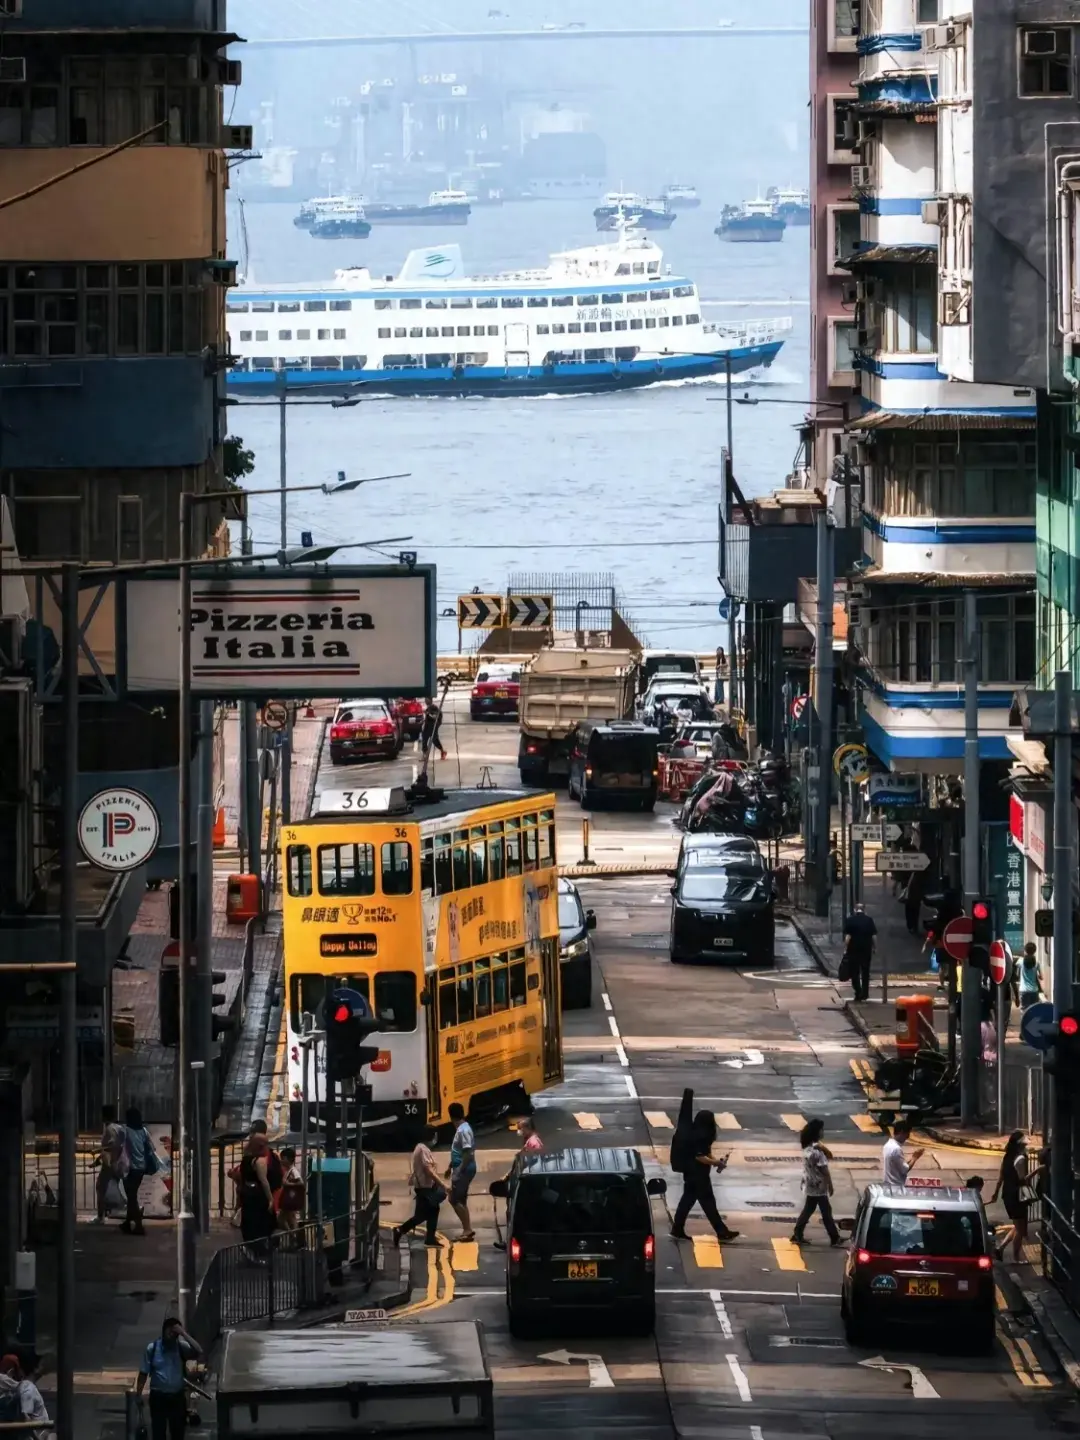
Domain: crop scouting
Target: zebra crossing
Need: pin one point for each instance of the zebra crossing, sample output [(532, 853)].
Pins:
[(727, 1120)]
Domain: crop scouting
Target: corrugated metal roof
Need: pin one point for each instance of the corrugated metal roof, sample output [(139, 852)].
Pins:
[(933, 580), (940, 420), (890, 255)]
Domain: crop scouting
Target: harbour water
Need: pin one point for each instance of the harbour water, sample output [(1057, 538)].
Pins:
[(625, 483)]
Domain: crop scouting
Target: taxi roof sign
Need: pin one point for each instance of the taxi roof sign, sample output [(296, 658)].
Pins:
[(360, 804)]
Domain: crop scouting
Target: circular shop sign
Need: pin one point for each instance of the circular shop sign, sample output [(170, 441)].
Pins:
[(118, 829)]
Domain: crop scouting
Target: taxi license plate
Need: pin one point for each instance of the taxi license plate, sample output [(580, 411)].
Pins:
[(927, 1289), (502, 694), (722, 940), (361, 734), (582, 1270)]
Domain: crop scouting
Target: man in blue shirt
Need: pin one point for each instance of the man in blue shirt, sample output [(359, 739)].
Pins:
[(163, 1366)]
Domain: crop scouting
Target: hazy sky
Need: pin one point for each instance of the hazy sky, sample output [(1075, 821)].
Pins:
[(729, 114)]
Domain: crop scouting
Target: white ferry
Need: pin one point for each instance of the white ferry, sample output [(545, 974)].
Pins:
[(605, 317)]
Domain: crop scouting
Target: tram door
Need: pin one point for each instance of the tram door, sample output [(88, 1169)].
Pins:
[(553, 1060)]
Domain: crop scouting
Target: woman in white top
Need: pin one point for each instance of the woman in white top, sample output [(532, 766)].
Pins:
[(428, 1195), (817, 1183)]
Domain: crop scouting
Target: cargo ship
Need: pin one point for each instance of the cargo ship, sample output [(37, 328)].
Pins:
[(681, 197), (620, 207), (443, 207), (792, 205), (754, 221)]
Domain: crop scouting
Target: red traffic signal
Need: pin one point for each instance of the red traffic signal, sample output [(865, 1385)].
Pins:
[(1069, 1025), (342, 1015), (981, 924), (980, 910)]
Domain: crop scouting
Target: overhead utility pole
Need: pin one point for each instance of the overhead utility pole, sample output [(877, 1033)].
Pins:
[(971, 983)]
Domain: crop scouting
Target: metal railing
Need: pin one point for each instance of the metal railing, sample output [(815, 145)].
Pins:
[(1059, 1248)]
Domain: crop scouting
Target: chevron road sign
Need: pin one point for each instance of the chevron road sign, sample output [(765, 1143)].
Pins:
[(530, 612), (480, 612)]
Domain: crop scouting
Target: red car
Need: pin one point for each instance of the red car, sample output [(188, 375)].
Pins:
[(409, 715), (496, 692), (363, 728)]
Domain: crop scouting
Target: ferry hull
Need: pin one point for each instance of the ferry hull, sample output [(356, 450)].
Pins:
[(593, 378), (757, 234), (417, 214), (608, 219)]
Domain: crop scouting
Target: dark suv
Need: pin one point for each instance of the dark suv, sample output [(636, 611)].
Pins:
[(724, 909), (616, 760), (580, 1239)]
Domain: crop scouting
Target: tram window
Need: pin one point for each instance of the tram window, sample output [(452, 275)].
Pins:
[(461, 859), (444, 871), (482, 974), (500, 984), (395, 1000), (517, 981), (531, 848), (397, 868), (447, 1000), (466, 999), (307, 993), (513, 847), (298, 863), (478, 854), (346, 869), (547, 838), (427, 864), (496, 851)]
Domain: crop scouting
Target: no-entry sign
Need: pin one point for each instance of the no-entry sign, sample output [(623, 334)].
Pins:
[(956, 938), (1000, 960)]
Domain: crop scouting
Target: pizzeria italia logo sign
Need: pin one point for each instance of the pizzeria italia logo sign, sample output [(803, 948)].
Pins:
[(271, 630)]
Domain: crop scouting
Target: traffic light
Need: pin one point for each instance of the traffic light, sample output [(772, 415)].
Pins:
[(1063, 1061), (982, 925), (219, 1023), (348, 1021)]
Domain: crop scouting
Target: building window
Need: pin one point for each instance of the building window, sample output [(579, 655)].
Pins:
[(922, 643), (843, 129), (927, 12), (970, 479), (844, 231), (1045, 60), (843, 24), (843, 340), (904, 310)]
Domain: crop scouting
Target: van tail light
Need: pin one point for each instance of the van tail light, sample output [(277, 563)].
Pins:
[(650, 1247), (985, 1262), (515, 1251), (531, 749), (588, 772), (862, 1257)]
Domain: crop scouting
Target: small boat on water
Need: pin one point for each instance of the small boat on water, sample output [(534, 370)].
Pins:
[(791, 204), (343, 220), (754, 221), (619, 207), (304, 218), (444, 207), (681, 197)]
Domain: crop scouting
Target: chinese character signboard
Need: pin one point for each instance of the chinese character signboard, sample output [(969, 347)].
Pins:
[(1006, 875)]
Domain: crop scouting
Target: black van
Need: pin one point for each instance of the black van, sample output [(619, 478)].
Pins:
[(614, 760), (580, 1238)]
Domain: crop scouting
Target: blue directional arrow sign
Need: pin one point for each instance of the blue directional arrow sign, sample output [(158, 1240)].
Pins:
[(1037, 1026)]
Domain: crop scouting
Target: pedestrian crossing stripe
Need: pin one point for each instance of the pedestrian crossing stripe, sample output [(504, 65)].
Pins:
[(788, 1255), (867, 1124), (726, 1121), (465, 1256), (793, 1121), (658, 1120), (707, 1253), (588, 1121)]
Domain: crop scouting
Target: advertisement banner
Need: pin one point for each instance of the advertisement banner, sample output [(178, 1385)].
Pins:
[(346, 631)]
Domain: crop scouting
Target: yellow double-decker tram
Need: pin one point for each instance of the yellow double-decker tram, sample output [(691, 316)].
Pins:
[(442, 909)]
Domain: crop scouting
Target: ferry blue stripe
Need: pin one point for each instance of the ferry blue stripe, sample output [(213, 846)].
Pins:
[(440, 291)]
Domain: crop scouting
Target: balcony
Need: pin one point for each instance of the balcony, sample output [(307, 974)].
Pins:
[(770, 546), (90, 15)]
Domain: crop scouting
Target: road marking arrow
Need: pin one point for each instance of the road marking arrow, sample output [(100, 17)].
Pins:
[(753, 1057), (921, 1389), (599, 1375)]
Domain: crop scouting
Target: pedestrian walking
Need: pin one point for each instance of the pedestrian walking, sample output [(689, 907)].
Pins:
[(112, 1162), (531, 1143), (20, 1399), (430, 737), (141, 1160), (988, 1072), (255, 1193), (1029, 979), (163, 1366), (461, 1171), (895, 1165), (817, 1183), (698, 1165), (859, 940), (1011, 1186), (721, 667), (428, 1196), (288, 1201)]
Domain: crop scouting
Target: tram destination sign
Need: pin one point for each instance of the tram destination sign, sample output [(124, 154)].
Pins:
[(347, 630)]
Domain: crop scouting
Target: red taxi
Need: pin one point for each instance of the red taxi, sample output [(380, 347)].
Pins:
[(361, 728), (409, 715), (496, 692), (920, 1255)]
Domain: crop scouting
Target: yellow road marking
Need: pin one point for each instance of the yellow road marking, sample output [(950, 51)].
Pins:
[(1041, 1380), (726, 1121), (658, 1120), (793, 1122), (867, 1124), (1014, 1360), (588, 1121), (707, 1254), (465, 1255), (432, 1299), (999, 1298), (788, 1255)]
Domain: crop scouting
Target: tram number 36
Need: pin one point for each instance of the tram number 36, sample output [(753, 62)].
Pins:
[(411, 1108)]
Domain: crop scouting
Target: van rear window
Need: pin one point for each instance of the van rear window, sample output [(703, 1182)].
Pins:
[(576, 1204), (945, 1233)]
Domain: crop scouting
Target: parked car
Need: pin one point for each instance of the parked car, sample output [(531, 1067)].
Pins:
[(362, 729), (697, 735), (409, 715), (616, 761), (668, 664), (576, 925), (920, 1256), (580, 1239), (495, 692), (724, 911), (703, 849)]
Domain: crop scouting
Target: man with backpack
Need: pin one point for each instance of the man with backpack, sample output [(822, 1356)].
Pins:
[(163, 1365)]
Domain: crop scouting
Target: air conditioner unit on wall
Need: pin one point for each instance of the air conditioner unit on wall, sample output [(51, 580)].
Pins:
[(237, 137), (862, 177), (933, 212), (942, 37)]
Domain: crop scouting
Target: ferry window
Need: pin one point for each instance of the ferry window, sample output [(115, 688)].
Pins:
[(635, 297), (298, 863), (626, 352), (435, 305), (538, 302), (384, 304), (517, 981), (660, 295), (615, 298), (262, 307), (605, 325), (416, 332), (513, 847), (639, 268), (595, 354), (324, 334), (326, 362), (395, 1000), (621, 324), (590, 327), (340, 304), (478, 330), (284, 334), (562, 300), (588, 300), (636, 325), (303, 334), (650, 324), (237, 309), (288, 307), (693, 319), (466, 996), (482, 976), (531, 852), (500, 984), (397, 868), (574, 328), (493, 329), (353, 362), (683, 292), (409, 305), (623, 270), (464, 329), (245, 335), (512, 302), (461, 304), (654, 267), (315, 306), (262, 334), (347, 869), (432, 330), (478, 853), (664, 322), (400, 332), (427, 864), (447, 331), (444, 870), (676, 320), (547, 837), (339, 334), (489, 304), (262, 362), (543, 329), (447, 1000), (384, 332), (461, 859), (558, 329)]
